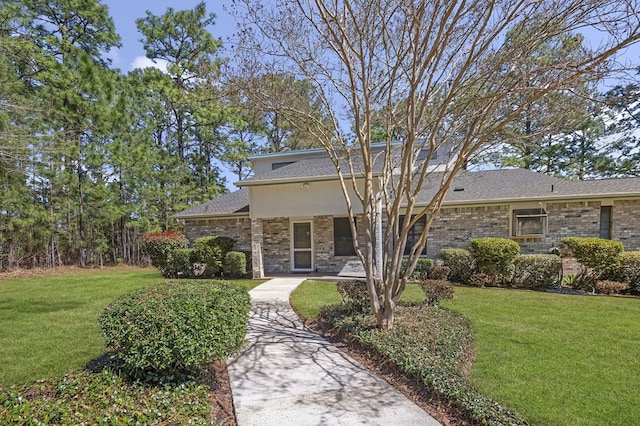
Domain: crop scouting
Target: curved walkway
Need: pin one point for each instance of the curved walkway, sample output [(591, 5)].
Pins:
[(289, 375)]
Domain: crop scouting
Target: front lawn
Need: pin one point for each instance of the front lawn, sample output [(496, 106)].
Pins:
[(555, 359), (50, 324)]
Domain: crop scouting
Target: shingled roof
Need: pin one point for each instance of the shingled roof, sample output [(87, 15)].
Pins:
[(478, 187), (233, 204), (512, 185)]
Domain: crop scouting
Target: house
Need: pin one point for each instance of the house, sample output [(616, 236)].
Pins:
[(292, 215)]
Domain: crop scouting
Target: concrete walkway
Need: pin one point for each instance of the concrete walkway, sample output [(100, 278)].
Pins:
[(288, 375)]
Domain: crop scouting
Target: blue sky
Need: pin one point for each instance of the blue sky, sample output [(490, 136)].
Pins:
[(125, 13)]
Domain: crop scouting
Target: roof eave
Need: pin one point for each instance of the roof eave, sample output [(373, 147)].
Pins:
[(560, 198)]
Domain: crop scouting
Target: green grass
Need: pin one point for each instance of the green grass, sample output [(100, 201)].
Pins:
[(310, 296), (557, 359), (49, 325)]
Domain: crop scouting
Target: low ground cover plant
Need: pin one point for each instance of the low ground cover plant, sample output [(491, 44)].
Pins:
[(104, 398), (176, 326), (434, 346)]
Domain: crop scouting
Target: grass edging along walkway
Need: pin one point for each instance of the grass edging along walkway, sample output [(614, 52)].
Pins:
[(555, 359), (50, 323)]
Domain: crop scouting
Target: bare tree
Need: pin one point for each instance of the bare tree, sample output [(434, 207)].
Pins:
[(444, 76)]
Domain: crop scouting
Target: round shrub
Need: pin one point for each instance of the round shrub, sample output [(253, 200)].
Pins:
[(537, 271), (630, 270), (436, 290), (440, 272), (212, 251), (460, 263), (599, 257), (354, 295), (235, 264), (179, 264), (160, 245), (422, 270), (495, 257), (172, 327)]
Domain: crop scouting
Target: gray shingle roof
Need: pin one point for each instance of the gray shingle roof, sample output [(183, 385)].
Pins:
[(479, 187), (523, 185), (226, 204)]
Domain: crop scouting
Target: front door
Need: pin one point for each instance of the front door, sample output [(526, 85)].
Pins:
[(302, 246)]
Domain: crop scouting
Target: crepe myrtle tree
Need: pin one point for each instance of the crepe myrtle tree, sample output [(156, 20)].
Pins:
[(427, 78)]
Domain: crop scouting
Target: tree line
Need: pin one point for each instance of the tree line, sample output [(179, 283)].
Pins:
[(92, 158)]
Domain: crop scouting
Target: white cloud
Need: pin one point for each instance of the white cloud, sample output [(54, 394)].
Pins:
[(144, 62)]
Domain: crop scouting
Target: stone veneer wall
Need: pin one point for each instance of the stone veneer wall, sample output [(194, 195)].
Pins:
[(626, 223), (237, 228), (454, 227), (324, 250), (276, 248), (276, 245)]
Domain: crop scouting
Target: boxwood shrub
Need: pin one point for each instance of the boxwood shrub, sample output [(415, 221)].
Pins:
[(176, 326), (212, 251), (354, 295), (159, 247), (537, 271), (495, 257), (460, 263), (235, 264), (630, 270), (599, 257)]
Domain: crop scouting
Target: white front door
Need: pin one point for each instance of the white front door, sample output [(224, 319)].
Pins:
[(302, 246)]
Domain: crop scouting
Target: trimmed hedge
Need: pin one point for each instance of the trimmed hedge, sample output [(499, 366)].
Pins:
[(495, 257), (235, 264), (176, 326), (537, 271), (159, 247), (600, 258), (630, 270), (460, 263), (212, 252)]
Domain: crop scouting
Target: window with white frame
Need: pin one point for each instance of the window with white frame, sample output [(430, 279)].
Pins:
[(529, 222)]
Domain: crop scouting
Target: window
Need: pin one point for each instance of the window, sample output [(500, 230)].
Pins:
[(414, 234), (605, 222), (342, 237), (529, 222)]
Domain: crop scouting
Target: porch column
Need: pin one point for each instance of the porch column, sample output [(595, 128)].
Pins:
[(257, 266)]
